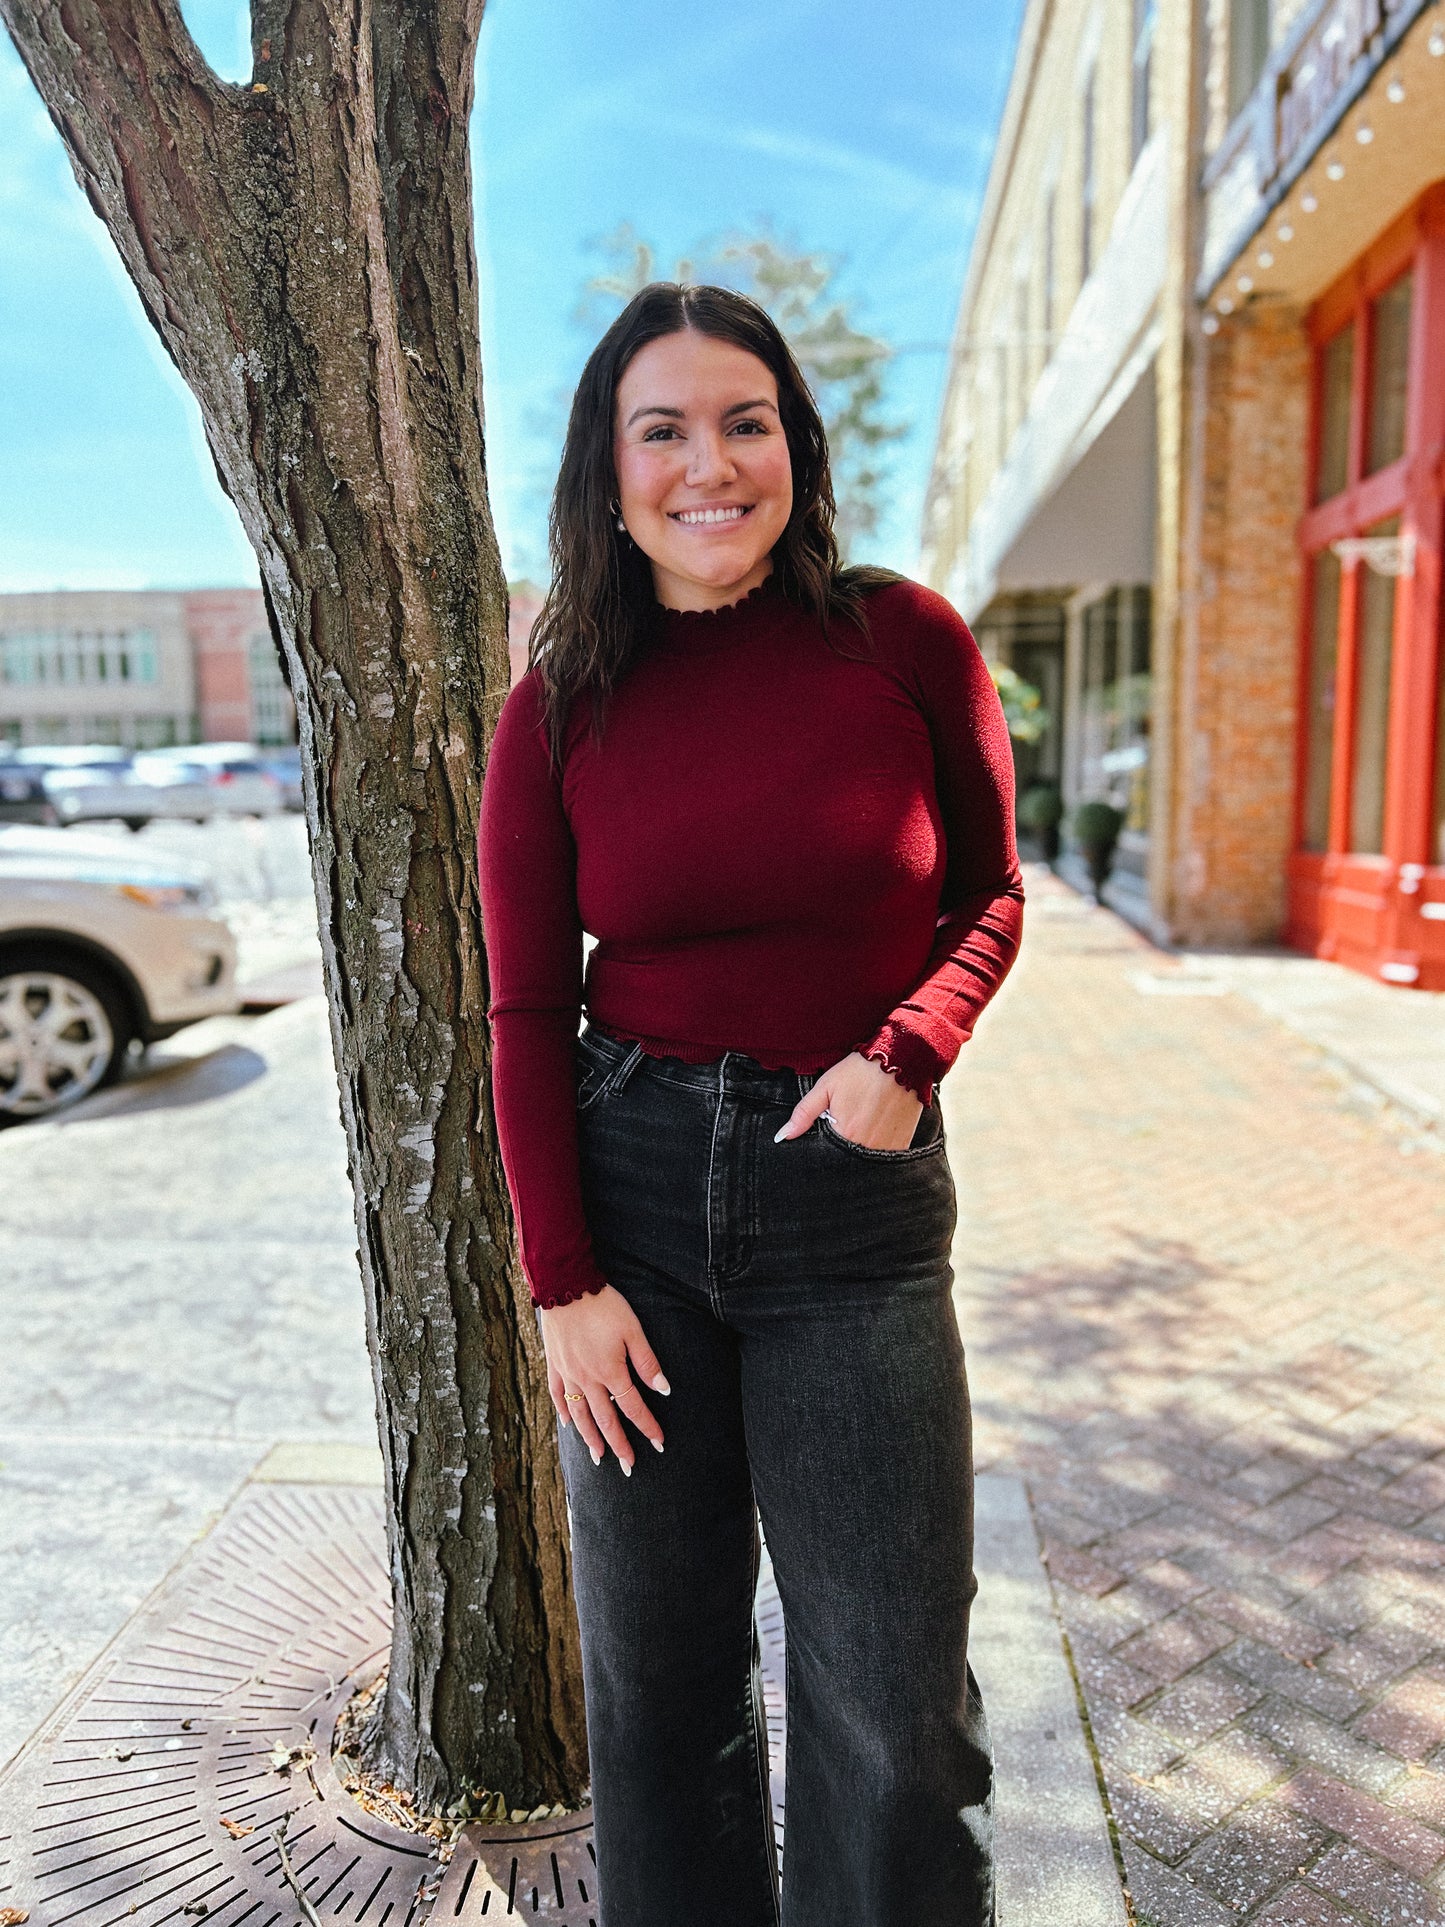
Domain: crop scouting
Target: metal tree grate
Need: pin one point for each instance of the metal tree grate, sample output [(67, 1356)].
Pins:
[(152, 1795)]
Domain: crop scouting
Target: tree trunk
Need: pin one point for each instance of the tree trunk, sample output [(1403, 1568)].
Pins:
[(303, 245)]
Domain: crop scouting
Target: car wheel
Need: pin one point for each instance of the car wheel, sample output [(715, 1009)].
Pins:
[(64, 1032)]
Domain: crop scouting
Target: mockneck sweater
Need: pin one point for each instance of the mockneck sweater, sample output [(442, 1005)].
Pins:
[(786, 844)]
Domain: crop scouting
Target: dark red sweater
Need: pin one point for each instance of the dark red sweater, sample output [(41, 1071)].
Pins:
[(780, 850)]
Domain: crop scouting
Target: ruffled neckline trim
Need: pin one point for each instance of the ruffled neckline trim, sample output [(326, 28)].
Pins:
[(710, 625)]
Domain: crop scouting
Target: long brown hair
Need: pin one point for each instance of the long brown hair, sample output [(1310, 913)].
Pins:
[(600, 611)]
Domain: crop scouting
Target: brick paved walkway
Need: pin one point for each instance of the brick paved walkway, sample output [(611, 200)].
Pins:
[(1203, 1291)]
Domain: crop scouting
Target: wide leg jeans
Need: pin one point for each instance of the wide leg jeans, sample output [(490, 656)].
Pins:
[(798, 1296)]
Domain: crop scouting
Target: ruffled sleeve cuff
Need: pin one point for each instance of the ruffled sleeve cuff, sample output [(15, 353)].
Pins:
[(908, 1057), (564, 1286)]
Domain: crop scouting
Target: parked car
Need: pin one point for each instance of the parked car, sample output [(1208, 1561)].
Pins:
[(100, 946), (285, 766), (127, 793), (235, 777), (70, 755), (23, 795)]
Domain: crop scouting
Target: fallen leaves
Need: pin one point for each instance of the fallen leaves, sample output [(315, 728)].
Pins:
[(285, 1759), (236, 1829), (14, 1916)]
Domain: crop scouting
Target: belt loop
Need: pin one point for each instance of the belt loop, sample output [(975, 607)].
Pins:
[(625, 1069)]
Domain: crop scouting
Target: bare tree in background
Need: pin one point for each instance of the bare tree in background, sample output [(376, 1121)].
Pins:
[(844, 366), (303, 245)]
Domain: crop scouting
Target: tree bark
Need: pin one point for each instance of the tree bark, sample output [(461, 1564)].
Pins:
[(304, 247)]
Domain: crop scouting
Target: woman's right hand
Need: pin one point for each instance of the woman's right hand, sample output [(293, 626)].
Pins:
[(589, 1344)]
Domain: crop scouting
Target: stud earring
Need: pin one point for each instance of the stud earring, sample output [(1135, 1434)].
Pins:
[(616, 507)]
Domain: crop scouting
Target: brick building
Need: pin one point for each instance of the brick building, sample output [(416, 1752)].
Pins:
[(1188, 474), (1311, 719), (140, 667)]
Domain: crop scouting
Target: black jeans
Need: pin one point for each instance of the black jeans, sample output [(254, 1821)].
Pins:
[(797, 1295)]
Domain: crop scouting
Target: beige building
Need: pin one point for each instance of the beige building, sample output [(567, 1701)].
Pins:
[(143, 668), (1187, 477), (1041, 517)]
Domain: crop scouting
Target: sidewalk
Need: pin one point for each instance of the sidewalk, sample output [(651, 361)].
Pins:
[(1203, 1288), (180, 1293)]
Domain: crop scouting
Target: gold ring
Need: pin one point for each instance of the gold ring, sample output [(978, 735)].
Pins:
[(574, 1398)]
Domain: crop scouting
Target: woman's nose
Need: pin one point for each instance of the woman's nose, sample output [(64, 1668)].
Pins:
[(711, 463)]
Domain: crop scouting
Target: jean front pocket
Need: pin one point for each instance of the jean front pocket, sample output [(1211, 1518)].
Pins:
[(603, 1064), (930, 1122)]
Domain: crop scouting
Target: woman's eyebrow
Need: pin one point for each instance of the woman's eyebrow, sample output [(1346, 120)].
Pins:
[(679, 414), (673, 414)]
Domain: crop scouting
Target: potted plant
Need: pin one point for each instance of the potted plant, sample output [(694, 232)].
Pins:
[(1041, 809), (1096, 826)]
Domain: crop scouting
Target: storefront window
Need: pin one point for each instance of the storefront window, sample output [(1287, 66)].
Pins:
[(1115, 696), (1337, 368), (1375, 654), (1320, 721), (1390, 368)]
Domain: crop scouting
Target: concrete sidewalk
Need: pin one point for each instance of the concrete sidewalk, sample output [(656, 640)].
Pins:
[(180, 1293)]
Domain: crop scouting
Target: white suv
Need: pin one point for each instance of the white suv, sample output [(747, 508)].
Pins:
[(99, 947)]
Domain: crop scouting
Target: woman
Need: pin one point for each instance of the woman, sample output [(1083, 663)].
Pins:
[(780, 797)]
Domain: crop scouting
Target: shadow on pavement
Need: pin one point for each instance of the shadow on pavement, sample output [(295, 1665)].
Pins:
[(197, 1080)]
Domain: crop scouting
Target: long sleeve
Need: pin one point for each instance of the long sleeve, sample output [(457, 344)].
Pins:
[(528, 866), (981, 904)]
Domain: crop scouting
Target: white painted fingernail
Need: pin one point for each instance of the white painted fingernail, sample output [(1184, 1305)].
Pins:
[(657, 1445), (781, 1135), (660, 1384), (597, 1458), (626, 1468)]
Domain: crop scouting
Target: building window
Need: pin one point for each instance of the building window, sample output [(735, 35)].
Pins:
[(1023, 357), (1145, 14), (79, 657), (1114, 701), (1389, 372), (1320, 714), (1088, 184), (270, 699), (1337, 369), (1248, 48), (1000, 378), (1374, 658), (1366, 788)]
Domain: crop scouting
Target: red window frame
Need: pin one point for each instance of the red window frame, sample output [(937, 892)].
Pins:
[(1379, 913)]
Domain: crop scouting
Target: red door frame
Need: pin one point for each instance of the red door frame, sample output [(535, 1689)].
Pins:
[(1384, 915)]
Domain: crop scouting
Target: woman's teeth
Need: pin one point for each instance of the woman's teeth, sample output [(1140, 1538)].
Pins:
[(697, 518)]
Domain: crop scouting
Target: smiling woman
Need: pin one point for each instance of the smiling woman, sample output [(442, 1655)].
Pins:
[(778, 793), (705, 487)]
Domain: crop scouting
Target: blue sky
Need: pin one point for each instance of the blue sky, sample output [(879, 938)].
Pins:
[(862, 131)]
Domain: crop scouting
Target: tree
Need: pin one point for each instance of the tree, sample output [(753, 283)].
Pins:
[(844, 366), (303, 246)]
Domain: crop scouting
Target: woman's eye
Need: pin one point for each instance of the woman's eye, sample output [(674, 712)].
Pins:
[(753, 427), (660, 433)]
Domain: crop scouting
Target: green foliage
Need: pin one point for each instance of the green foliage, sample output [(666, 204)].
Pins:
[(1097, 824), (1023, 706), (1041, 807), (844, 366)]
